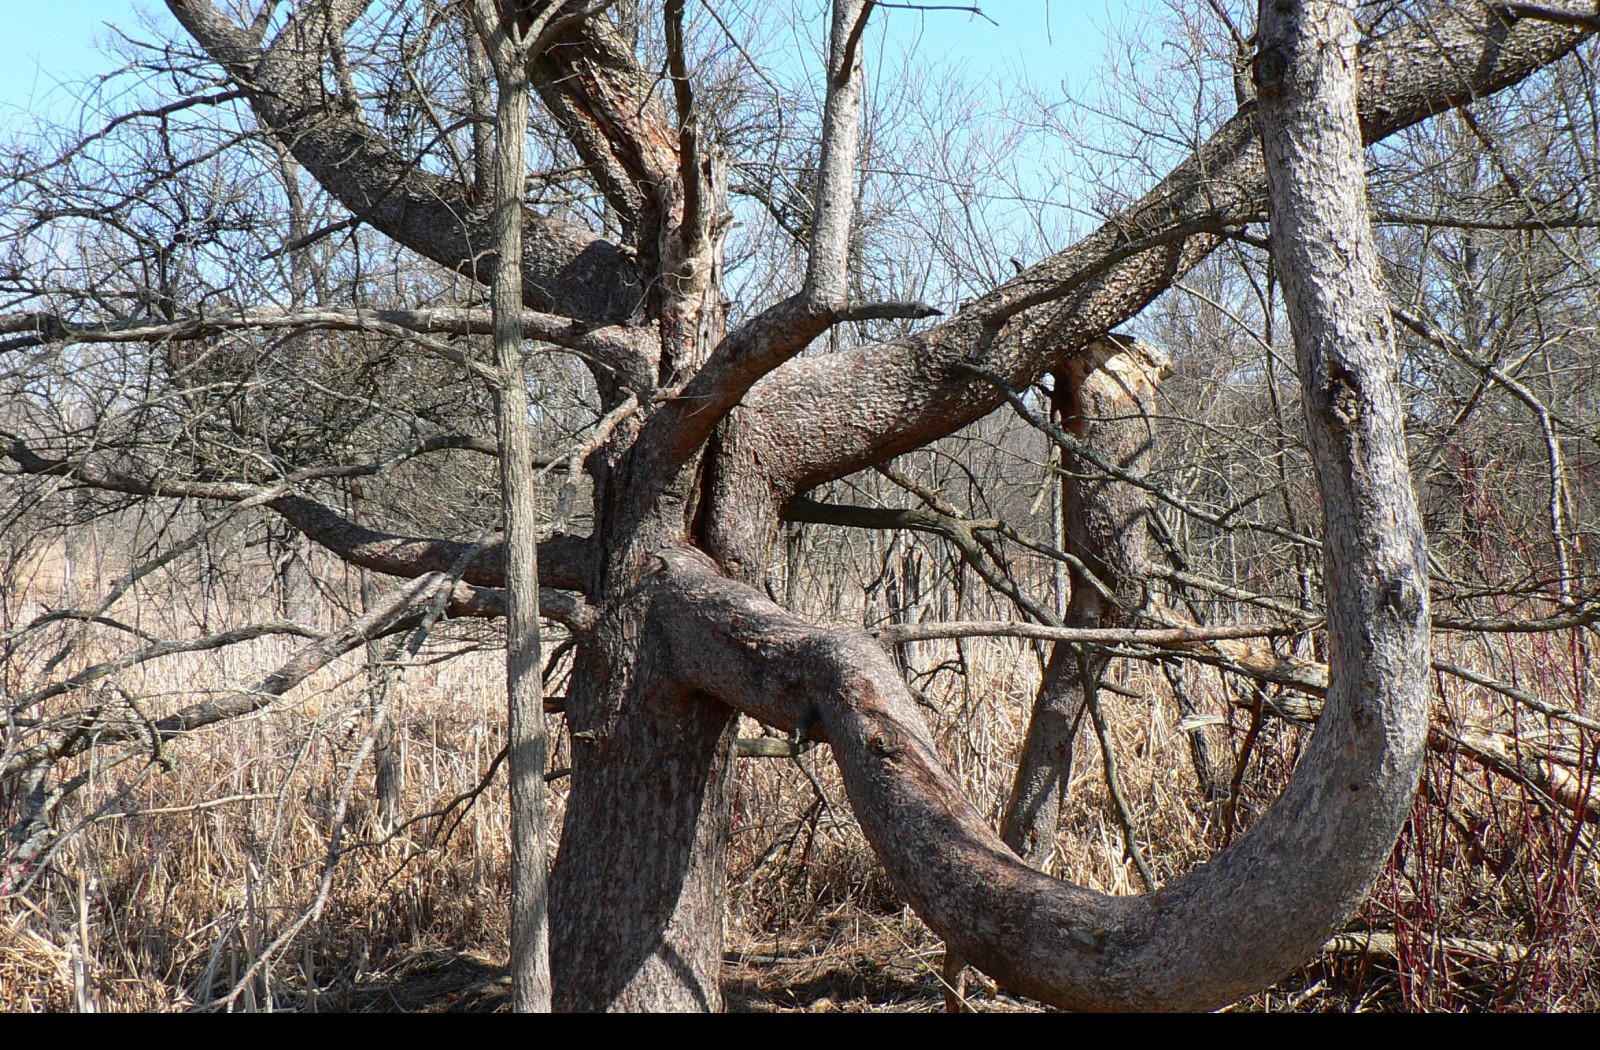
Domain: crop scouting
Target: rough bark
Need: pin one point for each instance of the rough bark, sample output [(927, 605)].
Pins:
[(527, 745), (638, 887), (566, 269), (1102, 398), (1374, 549), (820, 418), (679, 646)]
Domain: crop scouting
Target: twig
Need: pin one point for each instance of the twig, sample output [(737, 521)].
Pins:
[(196, 808), (1108, 755), (902, 634)]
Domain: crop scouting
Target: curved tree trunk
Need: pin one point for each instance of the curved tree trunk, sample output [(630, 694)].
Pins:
[(733, 428), (1264, 906)]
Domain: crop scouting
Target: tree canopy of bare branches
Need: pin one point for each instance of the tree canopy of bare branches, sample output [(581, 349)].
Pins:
[(258, 308)]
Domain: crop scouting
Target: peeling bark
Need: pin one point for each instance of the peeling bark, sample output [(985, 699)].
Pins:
[(1103, 398)]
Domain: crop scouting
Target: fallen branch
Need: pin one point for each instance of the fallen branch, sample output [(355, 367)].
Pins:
[(901, 634), (1386, 944)]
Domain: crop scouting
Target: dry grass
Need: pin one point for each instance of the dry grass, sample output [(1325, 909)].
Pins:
[(177, 882)]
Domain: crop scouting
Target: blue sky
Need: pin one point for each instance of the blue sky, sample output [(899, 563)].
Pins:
[(48, 44), (1039, 40), (44, 45)]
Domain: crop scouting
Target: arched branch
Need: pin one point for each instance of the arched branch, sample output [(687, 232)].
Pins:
[(567, 270), (1254, 912)]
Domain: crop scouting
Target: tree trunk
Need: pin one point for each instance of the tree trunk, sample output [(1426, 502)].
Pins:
[(1268, 903), (1374, 546), (1032, 815), (529, 749), (1102, 399), (639, 884), (682, 641)]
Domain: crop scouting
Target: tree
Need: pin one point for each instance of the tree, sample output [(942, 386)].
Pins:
[(511, 44), (709, 436)]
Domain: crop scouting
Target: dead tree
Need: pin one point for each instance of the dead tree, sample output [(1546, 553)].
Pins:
[(1104, 398)]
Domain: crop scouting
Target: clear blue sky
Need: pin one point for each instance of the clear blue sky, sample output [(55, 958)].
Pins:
[(45, 43), (1040, 40)]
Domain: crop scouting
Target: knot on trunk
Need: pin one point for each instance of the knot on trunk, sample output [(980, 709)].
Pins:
[(1269, 70)]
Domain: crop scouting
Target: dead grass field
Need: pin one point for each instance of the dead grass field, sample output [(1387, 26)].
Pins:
[(176, 885)]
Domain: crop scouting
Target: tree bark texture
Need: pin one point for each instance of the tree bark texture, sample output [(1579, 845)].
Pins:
[(1102, 398), (529, 748), (734, 427), (1374, 729)]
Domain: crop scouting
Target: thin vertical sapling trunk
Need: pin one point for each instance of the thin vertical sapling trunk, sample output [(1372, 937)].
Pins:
[(388, 766), (505, 39)]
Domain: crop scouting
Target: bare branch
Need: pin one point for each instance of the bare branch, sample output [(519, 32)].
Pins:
[(828, 269), (563, 559), (902, 634), (1463, 52), (566, 269)]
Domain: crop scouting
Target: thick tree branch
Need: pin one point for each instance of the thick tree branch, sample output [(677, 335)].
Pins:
[(562, 561), (833, 217), (1201, 941), (1369, 746), (1541, 13), (747, 354), (567, 270), (693, 218), (778, 333), (607, 107), (821, 418)]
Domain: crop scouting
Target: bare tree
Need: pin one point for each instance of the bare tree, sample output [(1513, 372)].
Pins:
[(704, 436)]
